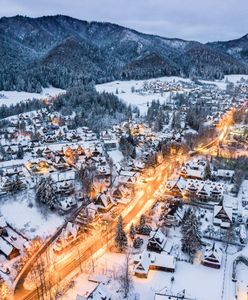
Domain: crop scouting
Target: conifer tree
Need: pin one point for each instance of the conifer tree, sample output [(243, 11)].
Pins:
[(132, 232), (191, 237), (46, 192), (120, 236)]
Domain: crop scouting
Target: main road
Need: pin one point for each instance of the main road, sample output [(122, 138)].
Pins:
[(100, 239), (85, 250)]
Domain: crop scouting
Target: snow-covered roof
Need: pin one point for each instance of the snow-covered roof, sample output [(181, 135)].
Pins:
[(146, 259), (99, 293), (158, 237), (214, 252), (227, 210), (2, 222), (225, 173), (5, 247)]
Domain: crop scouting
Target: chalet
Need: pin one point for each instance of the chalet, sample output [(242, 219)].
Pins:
[(47, 152), (122, 194), (71, 230), (91, 210), (223, 216), (80, 151), (65, 188), (60, 162), (85, 216), (176, 186), (103, 201), (67, 204), (202, 193), (127, 177), (157, 241), (153, 261), (212, 256), (67, 176), (194, 169), (11, 242), (191, 173), (39, 152), (204, 190)]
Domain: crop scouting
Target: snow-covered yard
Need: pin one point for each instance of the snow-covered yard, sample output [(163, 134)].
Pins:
[(195, 279), (242, 280), (22, 213), (139, 100)]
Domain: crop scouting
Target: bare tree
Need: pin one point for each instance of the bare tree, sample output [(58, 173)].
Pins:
[(125, 278)]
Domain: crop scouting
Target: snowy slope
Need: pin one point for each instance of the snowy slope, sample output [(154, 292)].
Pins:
[(13, 97)]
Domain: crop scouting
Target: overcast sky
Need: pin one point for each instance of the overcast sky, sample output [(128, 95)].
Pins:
[(202, 20)]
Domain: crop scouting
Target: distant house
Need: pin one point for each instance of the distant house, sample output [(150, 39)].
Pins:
[(212, 256), (153, 261), (222, 216)]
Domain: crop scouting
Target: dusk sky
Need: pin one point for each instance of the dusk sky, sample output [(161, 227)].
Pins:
[(207, 20)]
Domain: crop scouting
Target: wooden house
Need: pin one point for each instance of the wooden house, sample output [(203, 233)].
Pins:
[(212, 256)]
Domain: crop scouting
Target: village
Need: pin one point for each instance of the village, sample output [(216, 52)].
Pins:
[(141, 201)]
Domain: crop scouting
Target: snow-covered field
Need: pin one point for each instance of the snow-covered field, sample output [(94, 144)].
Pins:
[(13, 97), (125, 93), (22, 213), (222, 83)]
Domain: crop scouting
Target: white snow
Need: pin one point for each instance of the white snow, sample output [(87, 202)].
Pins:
[(23, 214), (13, 97), (141, 100), (116, 156), (124, 91)]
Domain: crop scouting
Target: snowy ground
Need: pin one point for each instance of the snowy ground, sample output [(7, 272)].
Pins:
[(186, 276), (200, 282), (242, 281), (13, 97), (116, 156), (22, 213), (124, 91), (222, 83)]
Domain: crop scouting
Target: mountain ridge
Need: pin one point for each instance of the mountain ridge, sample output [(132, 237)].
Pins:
[(63, 51)]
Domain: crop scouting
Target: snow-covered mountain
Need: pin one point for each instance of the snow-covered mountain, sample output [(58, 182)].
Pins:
[(63, 52), (237, 48)]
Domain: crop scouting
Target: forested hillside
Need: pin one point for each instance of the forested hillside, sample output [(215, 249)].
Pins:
[(65, 52)]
